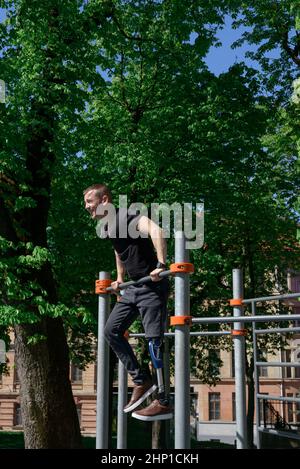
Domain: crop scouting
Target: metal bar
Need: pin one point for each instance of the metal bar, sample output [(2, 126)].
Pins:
[(271, 298), (292, 436), (182, 350), (102, 371), (278, 398), (230, 319), (239, 363), (256, 378), (208, 333), (277, 330), (290, 364), (195, 334), (122, 401), (146, 279), (167, 426)]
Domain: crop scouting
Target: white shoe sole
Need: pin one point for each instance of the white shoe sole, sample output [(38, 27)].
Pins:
[(147, 418), (141, 399)]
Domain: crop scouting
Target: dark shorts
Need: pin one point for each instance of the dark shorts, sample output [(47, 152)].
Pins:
[(149, 301)]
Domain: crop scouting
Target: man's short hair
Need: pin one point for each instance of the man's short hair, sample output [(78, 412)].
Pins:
[(100, 190)]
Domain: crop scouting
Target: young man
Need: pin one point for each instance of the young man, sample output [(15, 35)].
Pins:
[(138, 256)]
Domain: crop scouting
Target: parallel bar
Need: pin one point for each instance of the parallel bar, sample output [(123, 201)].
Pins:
[(146, 279), (195, 334), (182, 350), (166, 358), (122, 401), (240, 372), (290, 364), (292, 436), (102, 371), (267, 397), (277, 330), (282, 317), (256, 379), (271, 298)]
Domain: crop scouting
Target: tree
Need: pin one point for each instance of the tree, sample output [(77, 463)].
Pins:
[(118, 92), (271, 26), (41, 63)]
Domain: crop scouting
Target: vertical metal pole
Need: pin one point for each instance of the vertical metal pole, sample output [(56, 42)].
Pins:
[(240, 369), (182, 350), (122, 401), (256, 378), (102, 370), (167, 386)]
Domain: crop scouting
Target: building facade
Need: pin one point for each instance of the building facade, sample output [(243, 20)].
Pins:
[(213, 407)]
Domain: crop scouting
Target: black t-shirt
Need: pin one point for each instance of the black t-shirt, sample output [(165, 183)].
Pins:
[(136, 253)]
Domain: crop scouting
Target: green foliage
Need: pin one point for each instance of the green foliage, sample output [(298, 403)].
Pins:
[(295, 10), (272, 26), (119, 92)]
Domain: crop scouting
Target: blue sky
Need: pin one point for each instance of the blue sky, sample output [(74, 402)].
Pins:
[(219, 59)]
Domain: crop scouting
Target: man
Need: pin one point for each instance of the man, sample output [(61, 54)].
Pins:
[(137, 257)]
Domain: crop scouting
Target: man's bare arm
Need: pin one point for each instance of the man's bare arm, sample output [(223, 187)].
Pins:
[(149, 228), (120, 275), (120, 269)]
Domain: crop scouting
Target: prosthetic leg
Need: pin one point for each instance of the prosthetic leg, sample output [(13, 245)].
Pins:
[(159, 409), (156, 353)]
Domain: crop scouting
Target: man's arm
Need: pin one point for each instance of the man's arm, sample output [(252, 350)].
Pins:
[(149, 228), (120, 274), (120, 269)]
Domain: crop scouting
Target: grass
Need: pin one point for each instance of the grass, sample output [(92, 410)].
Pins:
[(11, 440), (139, 437)]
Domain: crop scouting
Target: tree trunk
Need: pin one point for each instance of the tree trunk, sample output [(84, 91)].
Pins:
[(156, 432), (48, 409), (158, 435)]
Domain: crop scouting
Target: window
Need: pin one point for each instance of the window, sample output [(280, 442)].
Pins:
[(78, 408), (265, 413), (297, 406), (233, 407), (95, 373), (297, 359), (2, 351), (17, 415), (290, 416), (232, 365), (263, 370), (296, 284), (287, 371), (76, 374), (297, 311), (214, 399)]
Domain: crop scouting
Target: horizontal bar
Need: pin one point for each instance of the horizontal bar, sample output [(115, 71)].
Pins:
[(291, 435), (271, 331), (163, 274), (289, 364), (195, 334), (229, 319), (267, 397), (167, 273), (271, 298)]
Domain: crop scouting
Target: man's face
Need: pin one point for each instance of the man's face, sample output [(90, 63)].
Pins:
[(91, 202)]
